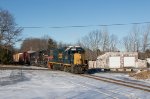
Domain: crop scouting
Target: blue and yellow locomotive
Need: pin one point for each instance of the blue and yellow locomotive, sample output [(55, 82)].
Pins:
[(71, 59)]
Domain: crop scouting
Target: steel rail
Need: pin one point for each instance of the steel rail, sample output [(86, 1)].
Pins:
[(21, 68), (119, 82), (124, 81)]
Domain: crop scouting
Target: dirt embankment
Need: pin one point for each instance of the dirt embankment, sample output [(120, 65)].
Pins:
[(141, 74)]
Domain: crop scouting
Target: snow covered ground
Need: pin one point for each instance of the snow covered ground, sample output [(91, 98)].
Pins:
[(60, 85)]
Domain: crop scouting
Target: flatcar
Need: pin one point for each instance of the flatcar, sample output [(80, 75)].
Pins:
[(71, 59)]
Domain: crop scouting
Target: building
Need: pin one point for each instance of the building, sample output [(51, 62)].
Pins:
[(111, 60)]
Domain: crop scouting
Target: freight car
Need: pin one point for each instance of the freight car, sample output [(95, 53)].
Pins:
[(36, 58), (39, 58), (71, 59), (21, 58)]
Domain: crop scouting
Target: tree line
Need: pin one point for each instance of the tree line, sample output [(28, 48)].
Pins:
[(45, 42), (100, 41)]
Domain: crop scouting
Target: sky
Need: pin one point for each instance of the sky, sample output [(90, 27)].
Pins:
[(51, 13)]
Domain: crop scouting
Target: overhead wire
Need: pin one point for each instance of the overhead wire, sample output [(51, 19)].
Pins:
[(118, 24), (82, 26)]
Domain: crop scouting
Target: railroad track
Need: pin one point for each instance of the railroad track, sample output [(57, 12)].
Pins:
[(21, 68), (120, 82)]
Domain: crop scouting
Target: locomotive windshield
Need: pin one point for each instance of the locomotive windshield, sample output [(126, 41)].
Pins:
[(72, 50), (77, 51)]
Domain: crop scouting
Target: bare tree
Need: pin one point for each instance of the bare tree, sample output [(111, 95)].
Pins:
[(113, 43), (126, 43), (85, 42), (135, 38), (145, 38), (94, 40), (132, 41), (9, 32), (98, 42), (91, 43), (105, 40)]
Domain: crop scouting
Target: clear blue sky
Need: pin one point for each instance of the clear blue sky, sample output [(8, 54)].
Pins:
[(49, 13)]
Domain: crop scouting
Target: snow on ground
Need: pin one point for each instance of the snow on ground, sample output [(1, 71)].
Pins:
[(61, 85)]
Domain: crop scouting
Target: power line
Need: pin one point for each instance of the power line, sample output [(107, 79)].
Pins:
[(82, 26), (31, 27)]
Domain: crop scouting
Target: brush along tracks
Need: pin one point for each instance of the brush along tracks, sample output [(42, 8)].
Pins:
[(120, 82)]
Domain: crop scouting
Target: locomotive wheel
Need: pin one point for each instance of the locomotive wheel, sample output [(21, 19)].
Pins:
[(55, 67), (79, 69), (76, 69), (72, 69), (69, 69), (65, 68), (61, 67), (50, 66)]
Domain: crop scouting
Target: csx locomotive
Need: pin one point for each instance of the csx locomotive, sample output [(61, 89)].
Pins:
[(70, 59)]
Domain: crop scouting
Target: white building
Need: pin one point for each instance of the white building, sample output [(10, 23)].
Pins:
[(118, 60)]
